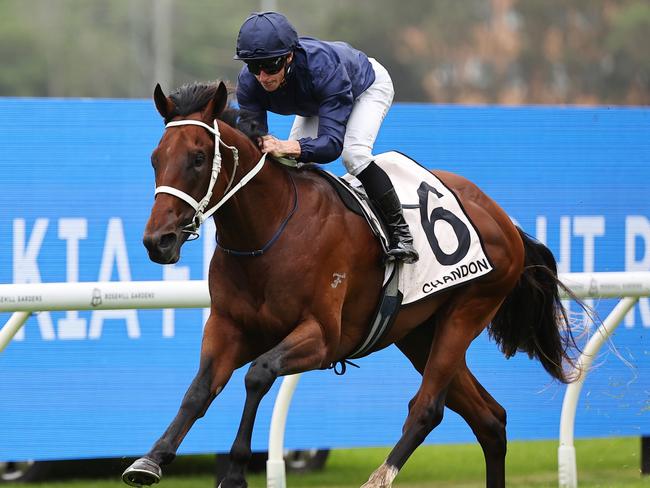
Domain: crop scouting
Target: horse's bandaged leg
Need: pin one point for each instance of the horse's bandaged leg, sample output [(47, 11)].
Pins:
[(382, 477)]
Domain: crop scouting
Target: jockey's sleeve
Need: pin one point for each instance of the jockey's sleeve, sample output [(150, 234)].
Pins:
[(334, 88), (254, 112)]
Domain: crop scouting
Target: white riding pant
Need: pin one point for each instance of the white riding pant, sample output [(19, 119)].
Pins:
[(368, 113)]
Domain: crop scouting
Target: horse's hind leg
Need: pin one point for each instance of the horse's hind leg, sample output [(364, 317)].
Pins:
[(470, 313), (208, 382), (487, 419), (467, 397), (302, 350)]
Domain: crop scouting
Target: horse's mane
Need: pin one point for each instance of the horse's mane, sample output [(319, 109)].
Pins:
[(193, 97)]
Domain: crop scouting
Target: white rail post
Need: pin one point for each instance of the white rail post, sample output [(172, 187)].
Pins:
[(566, 455), (275, 469), (12, 327)]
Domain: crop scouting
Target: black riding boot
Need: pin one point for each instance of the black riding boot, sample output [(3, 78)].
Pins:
[(380, 190), (399, 238)]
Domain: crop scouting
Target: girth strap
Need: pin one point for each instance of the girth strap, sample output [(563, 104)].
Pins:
[(391, 299)]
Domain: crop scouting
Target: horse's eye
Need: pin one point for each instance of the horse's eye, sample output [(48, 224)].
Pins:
[(199, 158)]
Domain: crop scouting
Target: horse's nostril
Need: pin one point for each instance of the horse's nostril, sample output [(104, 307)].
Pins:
[(167, 241), (148, 241)]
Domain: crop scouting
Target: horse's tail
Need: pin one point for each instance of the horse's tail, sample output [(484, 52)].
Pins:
[(532, 318)]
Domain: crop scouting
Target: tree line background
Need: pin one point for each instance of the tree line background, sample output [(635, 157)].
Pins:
[(441, 51)]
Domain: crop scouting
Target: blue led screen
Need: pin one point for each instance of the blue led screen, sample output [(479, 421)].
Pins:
[(77, 187)]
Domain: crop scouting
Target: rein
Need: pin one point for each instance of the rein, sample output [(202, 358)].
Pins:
[(200, 214), (275, 237)]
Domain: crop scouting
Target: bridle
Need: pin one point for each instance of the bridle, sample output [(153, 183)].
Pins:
[(200, 214)]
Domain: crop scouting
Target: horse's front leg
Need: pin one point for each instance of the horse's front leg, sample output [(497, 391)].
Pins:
[(221, 354), (302, 350)]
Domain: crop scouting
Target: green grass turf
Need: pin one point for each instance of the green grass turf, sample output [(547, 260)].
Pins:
[(601, 463)]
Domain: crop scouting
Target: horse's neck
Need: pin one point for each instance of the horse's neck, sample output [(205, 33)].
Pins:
[(250, 218)]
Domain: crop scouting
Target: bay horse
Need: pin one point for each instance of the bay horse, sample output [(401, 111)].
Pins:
[(283, 234)]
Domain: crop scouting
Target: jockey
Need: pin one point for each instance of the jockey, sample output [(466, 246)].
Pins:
[(340, 98)]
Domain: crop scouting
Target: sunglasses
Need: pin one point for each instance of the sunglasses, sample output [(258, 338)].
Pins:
[(269, 66)]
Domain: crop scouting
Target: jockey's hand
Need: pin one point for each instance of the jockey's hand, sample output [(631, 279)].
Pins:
[(278, 148)]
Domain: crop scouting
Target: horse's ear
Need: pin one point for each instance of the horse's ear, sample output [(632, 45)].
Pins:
[(164, 105), (218, 102)]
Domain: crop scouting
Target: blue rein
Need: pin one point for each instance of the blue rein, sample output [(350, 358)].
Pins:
[(275, 237)]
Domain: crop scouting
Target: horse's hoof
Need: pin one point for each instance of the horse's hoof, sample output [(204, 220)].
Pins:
[(142, 472), (233, 483)]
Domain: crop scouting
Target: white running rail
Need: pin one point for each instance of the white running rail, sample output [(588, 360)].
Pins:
[(627, 286), (24, 299)]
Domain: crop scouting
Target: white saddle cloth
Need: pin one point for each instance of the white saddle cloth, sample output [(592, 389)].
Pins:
[(450, 249)]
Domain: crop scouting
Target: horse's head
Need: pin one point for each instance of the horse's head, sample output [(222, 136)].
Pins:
[(184, 164)]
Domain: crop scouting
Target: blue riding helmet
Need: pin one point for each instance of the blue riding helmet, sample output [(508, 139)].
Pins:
[(265, 35)]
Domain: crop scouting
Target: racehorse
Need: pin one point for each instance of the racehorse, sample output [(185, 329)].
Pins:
[(284, 236)]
